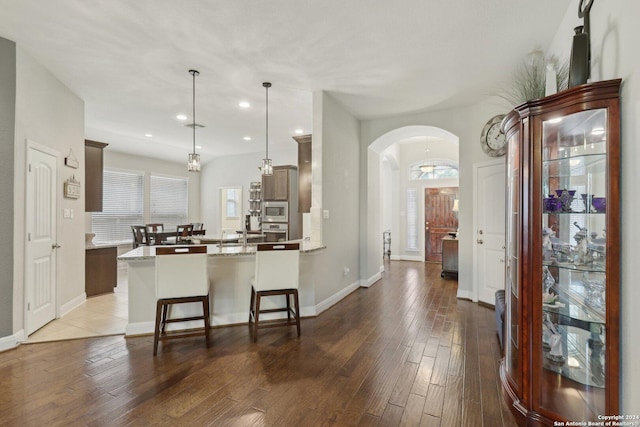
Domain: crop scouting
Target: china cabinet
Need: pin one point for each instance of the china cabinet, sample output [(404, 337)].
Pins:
[(561, 360)]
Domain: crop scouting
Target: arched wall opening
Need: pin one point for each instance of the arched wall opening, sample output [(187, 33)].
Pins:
[(384, 175)]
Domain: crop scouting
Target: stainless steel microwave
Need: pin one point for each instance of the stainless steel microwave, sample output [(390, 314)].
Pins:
[(275, 211)]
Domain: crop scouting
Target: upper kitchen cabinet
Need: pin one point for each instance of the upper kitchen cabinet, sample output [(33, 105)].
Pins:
[(280, 185), (563, 256), (94, 164), (304, 173)]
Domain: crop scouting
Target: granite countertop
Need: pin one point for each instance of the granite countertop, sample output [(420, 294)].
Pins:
[(149, 252), (90, 246)]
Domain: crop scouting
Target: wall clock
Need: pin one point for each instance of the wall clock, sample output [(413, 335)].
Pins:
[(492, 140)]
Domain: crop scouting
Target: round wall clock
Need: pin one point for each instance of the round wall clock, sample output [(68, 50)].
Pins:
[(492, 140)]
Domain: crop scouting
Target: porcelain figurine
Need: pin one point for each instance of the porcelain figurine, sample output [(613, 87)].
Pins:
[(547, 245), (583, 255)]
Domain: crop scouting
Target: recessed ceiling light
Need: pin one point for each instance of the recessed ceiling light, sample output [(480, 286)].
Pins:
[(244, 104), (181, 117), (148, 135), (556, 120), (299, 131), (247, 138), (198, 147)]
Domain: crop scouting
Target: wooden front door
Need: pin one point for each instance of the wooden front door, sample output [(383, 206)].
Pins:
[(439, 219)]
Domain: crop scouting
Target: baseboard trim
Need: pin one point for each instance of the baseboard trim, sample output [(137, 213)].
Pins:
[(462, 294), (228, 319), (335, 298), (371, 280), (12, 341), (74, 303), (395, 258)]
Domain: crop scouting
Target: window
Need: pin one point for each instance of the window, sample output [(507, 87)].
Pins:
[(230, 208), (412, 220), (168, 201), (232, 202), (122, 207), (429, 169)]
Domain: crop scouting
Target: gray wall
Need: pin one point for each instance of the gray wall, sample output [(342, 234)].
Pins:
[(466, 123), (340, 187), (7, 136)]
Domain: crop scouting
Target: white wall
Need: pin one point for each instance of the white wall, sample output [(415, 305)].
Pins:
[(235, 171), (615, 36), (48, 113)]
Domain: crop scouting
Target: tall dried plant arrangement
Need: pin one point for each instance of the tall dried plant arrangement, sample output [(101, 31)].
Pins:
[(529, 79)]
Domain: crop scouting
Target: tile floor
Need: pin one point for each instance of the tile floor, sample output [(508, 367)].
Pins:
[(98, 316)]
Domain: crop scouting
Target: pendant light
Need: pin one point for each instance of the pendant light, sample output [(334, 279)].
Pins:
[(428, 166), (267, 167), (194, 159)]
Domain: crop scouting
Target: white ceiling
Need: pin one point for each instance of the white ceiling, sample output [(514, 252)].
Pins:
[(129, 61)]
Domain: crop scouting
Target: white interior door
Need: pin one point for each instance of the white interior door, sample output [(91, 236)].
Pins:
[(231, 209), (41, 245), (490, 230)]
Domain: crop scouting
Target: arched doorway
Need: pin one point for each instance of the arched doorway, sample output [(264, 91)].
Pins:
[(385, 163)]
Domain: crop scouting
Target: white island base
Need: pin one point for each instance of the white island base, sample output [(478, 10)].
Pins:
[(230, 271)]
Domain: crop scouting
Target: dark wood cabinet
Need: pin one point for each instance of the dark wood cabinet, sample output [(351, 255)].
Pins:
[(93, 157), (277, 186), (561, 334), (304, 173), (101, 270)]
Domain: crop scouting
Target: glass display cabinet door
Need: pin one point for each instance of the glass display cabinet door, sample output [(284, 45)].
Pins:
[(573, 275), (512, 291)]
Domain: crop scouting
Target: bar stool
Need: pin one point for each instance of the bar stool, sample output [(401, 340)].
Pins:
[(276, 273), (181, 277)]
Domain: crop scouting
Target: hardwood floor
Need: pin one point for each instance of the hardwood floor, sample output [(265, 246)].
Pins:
[(403, 352)]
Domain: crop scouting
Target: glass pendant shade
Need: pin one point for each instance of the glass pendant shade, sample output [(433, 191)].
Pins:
[(194, 162), (267, 167)]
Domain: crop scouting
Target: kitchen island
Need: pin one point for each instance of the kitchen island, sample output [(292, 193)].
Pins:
[(230, 270)]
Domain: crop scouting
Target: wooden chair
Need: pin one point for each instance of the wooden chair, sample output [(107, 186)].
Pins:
[(181, 277), (151, 230), (140, 236), (184, 231), (276, 273)]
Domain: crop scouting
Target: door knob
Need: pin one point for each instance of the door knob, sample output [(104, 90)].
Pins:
[(479, 241), (55, 246)]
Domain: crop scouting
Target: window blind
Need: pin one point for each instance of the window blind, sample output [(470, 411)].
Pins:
[(168, 200), (122, 207)]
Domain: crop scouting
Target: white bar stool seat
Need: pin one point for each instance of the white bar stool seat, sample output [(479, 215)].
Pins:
[(276, 273), (181, 277)]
